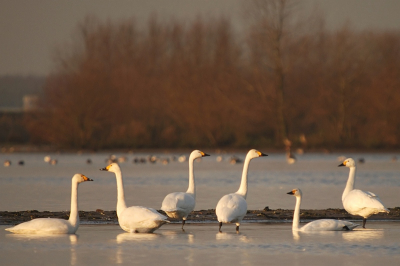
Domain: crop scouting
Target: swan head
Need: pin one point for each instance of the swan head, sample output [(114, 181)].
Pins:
[(79, 178), (114, 167), (253, 153), (296, 192), (349, 162), (197, 154)]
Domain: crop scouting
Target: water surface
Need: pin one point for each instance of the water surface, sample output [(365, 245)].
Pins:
[(201, 244)]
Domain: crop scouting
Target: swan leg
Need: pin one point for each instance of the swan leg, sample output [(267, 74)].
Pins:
[(346, 228), (220, 225), (183, 223), (237, 228), (364, 221)]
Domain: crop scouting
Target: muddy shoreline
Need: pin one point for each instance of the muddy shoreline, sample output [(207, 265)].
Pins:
[(278, 215)]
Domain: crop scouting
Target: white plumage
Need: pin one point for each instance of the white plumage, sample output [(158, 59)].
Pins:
[(54, 225), (358, 202), (179, 204), (317, 225), (135, 219), (232, 208)]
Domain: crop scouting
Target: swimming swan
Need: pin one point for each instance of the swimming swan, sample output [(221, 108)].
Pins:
[(179, 204), (135, 219), (358, 202), (317, 225), (232, 208), (54, 225)]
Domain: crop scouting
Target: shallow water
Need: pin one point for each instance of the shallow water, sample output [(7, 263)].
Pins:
[(201, 244), (38, 185), (44, 187)]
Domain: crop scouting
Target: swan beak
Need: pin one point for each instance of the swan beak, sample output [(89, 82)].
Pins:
[(342, 164), (290, 193), (260, 154), (204, 154), (86, 178), (105, 168)]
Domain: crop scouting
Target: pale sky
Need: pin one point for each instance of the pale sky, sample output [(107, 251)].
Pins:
[(31, 29)]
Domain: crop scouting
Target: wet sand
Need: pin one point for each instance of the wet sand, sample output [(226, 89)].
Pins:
[(201, 216)]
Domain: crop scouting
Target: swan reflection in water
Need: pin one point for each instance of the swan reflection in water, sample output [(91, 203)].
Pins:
[(178, 237), (364, 235), (232, 236), (125, 237), (48, 239)]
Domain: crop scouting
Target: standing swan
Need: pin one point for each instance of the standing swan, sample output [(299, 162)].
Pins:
[(54, 225), (180, 204), (135, 219), (358, 202), (318, 225), (232, 208)]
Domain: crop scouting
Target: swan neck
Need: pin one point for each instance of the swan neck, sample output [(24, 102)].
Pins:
[(192, 184), (243, 183), (296, 215), (350, 182), (121, 205), (74, 214)]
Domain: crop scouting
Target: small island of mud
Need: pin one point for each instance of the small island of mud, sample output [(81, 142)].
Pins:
[(279, 215)]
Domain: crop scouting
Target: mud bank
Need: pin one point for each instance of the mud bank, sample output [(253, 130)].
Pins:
[(278, 215)]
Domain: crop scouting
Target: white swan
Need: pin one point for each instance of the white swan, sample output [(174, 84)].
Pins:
[(179, 204), (53, 225), (317, 225), (358, 202), (135, 219), (232, 208)]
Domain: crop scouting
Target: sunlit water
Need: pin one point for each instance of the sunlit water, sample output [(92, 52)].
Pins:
[(38, 185), (44, 187), (201, 244)]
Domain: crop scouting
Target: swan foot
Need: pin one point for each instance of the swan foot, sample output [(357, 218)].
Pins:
[(364, 222), (220, 225)]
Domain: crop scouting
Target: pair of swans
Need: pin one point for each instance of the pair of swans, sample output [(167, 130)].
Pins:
[(54, 225), (138, 219), (355, 202), (231, 208)]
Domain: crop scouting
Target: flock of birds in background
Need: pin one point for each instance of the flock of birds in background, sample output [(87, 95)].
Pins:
[(230, 209)]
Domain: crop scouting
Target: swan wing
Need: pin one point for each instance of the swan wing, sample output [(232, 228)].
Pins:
[(329, 225), (363, 203), (231, 208), (178, 201), (43, 226)]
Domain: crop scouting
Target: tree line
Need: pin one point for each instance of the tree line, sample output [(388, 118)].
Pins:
[(172, 84)]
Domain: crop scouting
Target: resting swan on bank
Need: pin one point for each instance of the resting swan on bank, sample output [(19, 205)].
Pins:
[(55, 225), (135, 219), (317, 225)]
